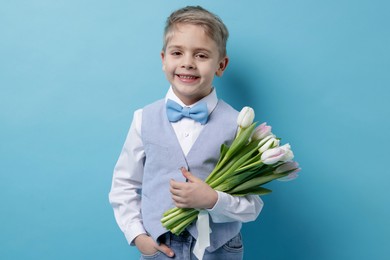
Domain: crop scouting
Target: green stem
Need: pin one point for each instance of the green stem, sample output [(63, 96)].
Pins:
[(236, 180), (256, 182), (245, 155), (253, 162), (184, 223), (173, 220), (240, 141), (170, 211), (220, 171), (172, 214)]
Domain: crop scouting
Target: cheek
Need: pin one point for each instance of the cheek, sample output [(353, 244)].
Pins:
[(210, 71), (169, 66)]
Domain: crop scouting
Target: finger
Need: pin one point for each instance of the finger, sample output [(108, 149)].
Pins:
[(179, 201), (188, 175), (176, 185), (176, 192), (166, 250), (179, 204), (185, 173)]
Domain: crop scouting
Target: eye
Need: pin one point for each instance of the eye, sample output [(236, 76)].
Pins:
[(175, 53), (201, 56)]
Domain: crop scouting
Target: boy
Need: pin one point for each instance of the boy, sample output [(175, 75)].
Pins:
[(167, 154)]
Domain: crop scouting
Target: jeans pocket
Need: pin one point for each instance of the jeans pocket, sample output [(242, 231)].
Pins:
[(152, 256), (234, 245)]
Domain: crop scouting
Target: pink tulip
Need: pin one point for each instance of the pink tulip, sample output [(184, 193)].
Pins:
[(291, 167), (277, 154), (261, 131), (291, 176), (287, 167)]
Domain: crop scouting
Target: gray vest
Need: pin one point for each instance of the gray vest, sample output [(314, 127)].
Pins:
[(164, 158)]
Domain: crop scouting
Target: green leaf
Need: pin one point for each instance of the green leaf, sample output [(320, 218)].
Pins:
[(253, 191), (224, 149), (219, 171), (238, 161), (242, 177), (241, 140), (257, 181)]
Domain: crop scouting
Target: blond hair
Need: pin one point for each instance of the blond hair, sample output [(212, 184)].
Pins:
[(196, 15)]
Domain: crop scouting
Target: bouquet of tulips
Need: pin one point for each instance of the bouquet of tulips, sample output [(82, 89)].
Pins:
[(253, 159)]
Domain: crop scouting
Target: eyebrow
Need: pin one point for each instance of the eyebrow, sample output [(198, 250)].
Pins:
[(196, 49)]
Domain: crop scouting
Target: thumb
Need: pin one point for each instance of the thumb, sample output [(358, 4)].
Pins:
[(166, 250), (188, 175)]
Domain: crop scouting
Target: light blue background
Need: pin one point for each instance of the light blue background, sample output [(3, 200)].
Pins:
[(72, 73)]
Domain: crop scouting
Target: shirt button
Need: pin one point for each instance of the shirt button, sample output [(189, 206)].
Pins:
[(186, 134)]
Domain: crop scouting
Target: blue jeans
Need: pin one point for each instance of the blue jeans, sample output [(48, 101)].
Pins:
[(184, 244)]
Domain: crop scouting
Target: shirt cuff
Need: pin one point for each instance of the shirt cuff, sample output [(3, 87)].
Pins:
[(133, 230), (220, 206)]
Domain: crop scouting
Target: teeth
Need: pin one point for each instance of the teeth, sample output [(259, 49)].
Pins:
[(187, 77)]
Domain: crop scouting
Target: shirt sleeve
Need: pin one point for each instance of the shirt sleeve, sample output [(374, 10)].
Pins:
[(125, 193), (233, 208)]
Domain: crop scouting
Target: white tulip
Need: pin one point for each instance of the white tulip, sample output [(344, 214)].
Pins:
[(270, 143), (277, 154), (245, 117)]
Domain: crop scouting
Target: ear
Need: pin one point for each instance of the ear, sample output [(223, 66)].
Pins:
[(222, 66), (162, 54)]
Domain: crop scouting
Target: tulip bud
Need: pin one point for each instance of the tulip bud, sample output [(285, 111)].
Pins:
[(287, 167), (291, 176), (291, 167), (271, 143), (245, 117), (274, 155), (288, 155), (271, 156), (261, 131), (265, 139)]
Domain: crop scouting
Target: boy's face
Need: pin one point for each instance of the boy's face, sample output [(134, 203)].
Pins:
[(190, 61)]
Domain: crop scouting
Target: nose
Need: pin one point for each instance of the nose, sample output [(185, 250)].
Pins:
[(188, 63)]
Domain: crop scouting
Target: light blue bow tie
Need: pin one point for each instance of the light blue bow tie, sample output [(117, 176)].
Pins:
[(175, 112)]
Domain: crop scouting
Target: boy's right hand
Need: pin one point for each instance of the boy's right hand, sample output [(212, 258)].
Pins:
[(147, 246)]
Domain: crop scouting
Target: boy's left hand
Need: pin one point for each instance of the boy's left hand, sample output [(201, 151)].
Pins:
[(192, 194)]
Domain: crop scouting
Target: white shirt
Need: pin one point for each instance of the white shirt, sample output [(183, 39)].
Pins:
[(125, 195)]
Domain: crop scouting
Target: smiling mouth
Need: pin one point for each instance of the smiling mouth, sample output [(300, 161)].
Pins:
[(187, 77)]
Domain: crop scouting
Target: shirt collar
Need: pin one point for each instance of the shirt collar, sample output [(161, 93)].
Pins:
[(211, 99)]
